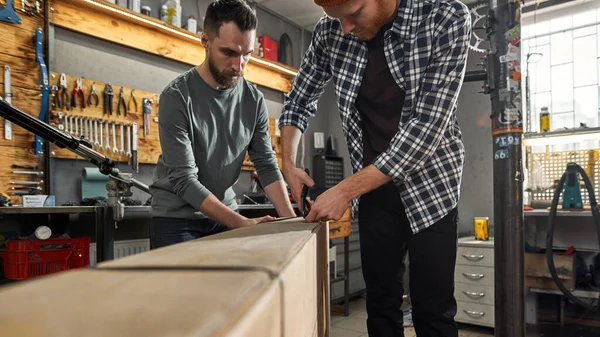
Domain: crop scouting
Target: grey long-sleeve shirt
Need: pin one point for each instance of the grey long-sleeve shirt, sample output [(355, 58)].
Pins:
[(204, 134)]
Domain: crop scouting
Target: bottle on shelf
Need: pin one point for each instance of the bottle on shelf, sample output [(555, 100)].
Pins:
[(544, 120)]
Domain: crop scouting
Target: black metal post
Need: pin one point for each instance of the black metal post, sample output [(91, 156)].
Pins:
[(504, 87)]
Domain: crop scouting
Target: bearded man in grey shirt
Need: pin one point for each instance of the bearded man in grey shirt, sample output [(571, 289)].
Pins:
[(208, 118)]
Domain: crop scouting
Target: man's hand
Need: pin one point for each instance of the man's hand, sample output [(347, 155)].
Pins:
[(296, 178), (330, 205), (251, 222)]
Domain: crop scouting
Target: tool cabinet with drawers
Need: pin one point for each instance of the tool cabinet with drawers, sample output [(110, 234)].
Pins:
[(474, 281)]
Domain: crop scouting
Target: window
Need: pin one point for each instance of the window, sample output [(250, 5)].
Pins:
[(561, 58)]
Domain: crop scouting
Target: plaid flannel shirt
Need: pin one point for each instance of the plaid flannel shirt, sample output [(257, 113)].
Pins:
[(426, 49)]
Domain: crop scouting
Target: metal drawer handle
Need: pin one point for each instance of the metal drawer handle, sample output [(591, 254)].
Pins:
[(474, 313), (473, 257), (473, 276), (473, 295)]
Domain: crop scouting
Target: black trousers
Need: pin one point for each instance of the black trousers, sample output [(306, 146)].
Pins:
[(385, 237)]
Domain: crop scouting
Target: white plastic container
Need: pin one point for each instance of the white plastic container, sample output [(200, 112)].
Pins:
[(192, 25)]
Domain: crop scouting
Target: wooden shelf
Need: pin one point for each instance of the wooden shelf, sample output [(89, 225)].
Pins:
[(119, 25)]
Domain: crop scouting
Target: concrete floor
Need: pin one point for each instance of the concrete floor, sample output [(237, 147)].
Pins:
[(355, 325)]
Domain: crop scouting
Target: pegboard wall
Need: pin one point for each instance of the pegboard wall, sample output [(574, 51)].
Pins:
[(554, 164)]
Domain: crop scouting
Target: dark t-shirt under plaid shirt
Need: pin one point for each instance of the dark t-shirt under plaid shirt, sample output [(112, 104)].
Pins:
[(426, 49)]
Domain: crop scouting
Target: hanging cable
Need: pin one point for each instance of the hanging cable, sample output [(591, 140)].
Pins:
[(571, 168)]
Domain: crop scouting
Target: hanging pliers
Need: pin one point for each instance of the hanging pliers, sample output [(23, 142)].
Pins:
[(63, 93), (108, 99), (134, 100), (121, 103), (93, 95), (78, 91)]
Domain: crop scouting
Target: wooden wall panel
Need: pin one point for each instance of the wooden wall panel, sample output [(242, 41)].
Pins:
[(17, 51)]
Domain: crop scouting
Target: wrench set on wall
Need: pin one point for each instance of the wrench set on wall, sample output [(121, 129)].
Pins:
[(93, 119)]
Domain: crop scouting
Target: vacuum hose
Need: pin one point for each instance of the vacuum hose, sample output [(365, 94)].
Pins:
[(550, 232)]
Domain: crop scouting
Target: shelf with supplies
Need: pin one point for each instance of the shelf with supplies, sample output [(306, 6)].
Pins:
[(120, 25), (94, 120)]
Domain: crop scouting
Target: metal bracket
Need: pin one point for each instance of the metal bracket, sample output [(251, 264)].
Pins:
[(30, 8), (45, 87), (7, 95), (8, 13)]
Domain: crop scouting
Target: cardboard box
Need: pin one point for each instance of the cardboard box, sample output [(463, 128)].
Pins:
[(537, 274), (267, 280), (38, 200)]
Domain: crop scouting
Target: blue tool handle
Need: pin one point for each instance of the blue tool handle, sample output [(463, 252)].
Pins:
[(45, 87)]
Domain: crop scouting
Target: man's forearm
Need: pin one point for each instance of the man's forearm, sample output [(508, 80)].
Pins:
[(290, 138), (216, 210), (278, 195), (363, 181)]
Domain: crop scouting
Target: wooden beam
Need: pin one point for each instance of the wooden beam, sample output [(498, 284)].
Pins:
[(122, 26)]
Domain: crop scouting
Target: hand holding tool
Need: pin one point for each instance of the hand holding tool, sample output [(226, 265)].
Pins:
[(121, 103), (78, 91), (147, 108), (305, 202), (63, 93), (135, 164), (134, 100), (108, 99), (93, 96)]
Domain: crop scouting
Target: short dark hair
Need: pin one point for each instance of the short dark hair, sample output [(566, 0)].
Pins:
[(223, 11)]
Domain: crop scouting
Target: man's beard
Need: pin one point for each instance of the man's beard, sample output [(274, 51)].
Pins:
[(225, 79)]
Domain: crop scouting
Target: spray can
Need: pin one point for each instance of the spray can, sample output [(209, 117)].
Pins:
[(544, 120)]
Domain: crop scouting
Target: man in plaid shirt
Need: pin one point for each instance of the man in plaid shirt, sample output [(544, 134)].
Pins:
[(397, 67)]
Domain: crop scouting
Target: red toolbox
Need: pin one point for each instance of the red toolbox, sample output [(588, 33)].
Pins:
[(24, 259), (270, 48)]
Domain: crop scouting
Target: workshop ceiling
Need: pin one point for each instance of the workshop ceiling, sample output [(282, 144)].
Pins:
[(303, 13)]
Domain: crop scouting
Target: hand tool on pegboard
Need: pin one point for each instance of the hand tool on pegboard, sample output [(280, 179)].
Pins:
[(78, 91), (24, 167), (133, 100), (108, 99), (8, 14), (121, 103), (147, 108), (27, 183), (45, 87), (134, 154), (62, 95), (7, 97), (29, 173), (93, 96), (106, 130), (128, 153), (31, 8), (122, 150)]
